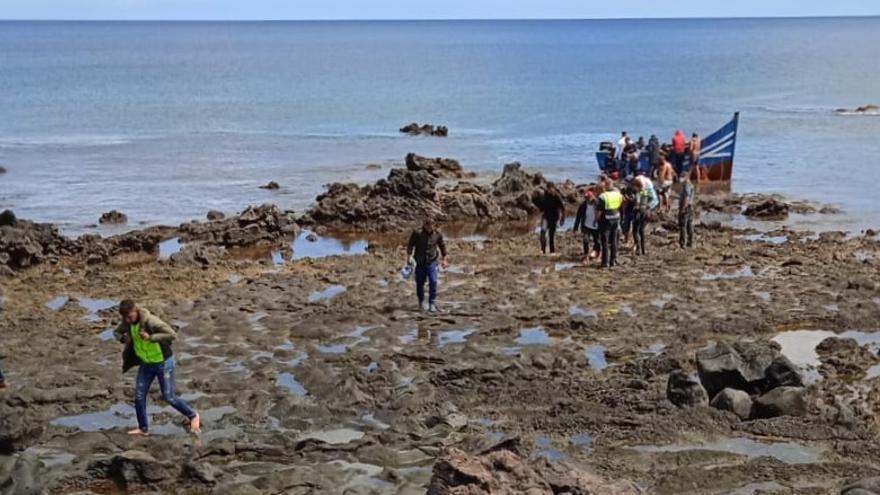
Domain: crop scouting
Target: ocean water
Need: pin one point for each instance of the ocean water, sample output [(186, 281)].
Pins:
[(165, 120)]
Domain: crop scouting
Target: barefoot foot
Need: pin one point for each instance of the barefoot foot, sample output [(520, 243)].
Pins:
[(137, 432)]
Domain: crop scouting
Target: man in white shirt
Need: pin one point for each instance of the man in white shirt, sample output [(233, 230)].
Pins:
[(620, 145)]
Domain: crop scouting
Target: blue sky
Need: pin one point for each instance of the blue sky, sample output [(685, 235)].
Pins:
[(424, 9)]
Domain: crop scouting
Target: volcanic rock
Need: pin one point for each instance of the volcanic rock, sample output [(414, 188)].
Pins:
[(685, 391), (782, 401), (438, 167), (415, 129), (271, 186), (735, 401), (113, 217), (215, 215), (769, 209)]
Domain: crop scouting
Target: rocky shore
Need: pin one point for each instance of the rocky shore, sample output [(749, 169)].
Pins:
[(746, 365)]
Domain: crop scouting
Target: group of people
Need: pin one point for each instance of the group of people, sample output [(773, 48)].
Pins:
[(628, 153), (611, 211)]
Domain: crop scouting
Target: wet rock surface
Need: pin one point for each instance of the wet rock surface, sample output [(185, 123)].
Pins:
[(318, 375), (437, 167)]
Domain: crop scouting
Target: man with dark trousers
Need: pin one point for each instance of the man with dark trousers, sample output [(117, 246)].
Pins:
[(427, 247), (610, 202)]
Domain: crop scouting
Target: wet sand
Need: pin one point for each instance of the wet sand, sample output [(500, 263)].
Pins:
[(318, 375)]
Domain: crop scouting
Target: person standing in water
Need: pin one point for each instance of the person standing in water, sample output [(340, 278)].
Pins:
[(428, 248), (148, 341), (609, 219), (552, 216), (686, 213), (587, 222)]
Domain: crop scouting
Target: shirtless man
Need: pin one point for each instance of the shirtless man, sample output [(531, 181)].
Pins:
[(667, 177)]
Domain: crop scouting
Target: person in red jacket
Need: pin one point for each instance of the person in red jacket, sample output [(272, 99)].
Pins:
[(679, 147)]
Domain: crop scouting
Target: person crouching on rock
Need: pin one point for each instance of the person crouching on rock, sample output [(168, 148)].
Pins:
[(147, 342), (427, 247)]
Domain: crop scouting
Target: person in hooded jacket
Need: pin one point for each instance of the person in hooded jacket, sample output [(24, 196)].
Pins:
[(147, 342)]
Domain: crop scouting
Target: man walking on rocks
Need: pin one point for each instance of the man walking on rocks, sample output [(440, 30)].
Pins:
[(147, 342), (686, 213), (427, 247), (552, 208)]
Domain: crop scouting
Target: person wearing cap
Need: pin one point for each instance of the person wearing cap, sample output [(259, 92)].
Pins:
[(147, 342), (427, 247), (587, 221)]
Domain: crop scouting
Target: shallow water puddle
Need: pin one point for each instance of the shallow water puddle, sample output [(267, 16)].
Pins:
[(662, 301), (57, 303), (577, 311), (117, 417), (373, 366), (595, 355), (743, 272), (106, 335), (582, 440), (787, 452), (764, 296), (169, 247), (546, 450), (561, 267), (334, 437), (328, 293), (758, 488), (234, 278), (533, 336), (277, 258), (770, 239), (370, 420), (800, 345), (654, 349), (453, 337), (332, 349), (310, 245), (456, 269), (873, 372), (406, 381), (293, 363), (288, 381)]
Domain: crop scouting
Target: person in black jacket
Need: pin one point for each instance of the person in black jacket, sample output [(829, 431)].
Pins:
[(552, 209), (587, 220)]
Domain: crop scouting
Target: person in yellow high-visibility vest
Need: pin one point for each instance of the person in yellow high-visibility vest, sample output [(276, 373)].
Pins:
[(150, 340), (610, 202)]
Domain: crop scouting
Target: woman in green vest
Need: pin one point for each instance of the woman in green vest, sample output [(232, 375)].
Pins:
[(149, 339)]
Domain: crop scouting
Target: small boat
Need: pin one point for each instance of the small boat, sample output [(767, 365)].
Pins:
[(715, 163)]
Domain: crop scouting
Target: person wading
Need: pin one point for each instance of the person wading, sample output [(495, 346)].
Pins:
[(609, 218), (552, 215), (427, 246), (686, 213), (147, 342)]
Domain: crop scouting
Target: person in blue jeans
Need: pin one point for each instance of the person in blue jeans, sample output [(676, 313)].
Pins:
[(427, 247), (148, 344)]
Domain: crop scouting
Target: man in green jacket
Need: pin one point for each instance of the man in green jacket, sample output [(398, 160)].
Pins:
[(150, 340)]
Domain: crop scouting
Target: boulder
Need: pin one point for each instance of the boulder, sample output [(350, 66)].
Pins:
[(201, 472), (7, 219), (203, 256), (438, 167), (741, 367), (271, 186), (683, 390), (866, 486), (113, 217), (214, 215), (735, 401), (783, 373), (782, 401), (2, 169)]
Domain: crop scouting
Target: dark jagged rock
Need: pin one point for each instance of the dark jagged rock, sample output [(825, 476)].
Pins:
[(685, 391), (2, 169), (783, 373), (8, 219), (132, 468), (255, 225), (438, 167), (415, 129), (198, 255), (740, 367), (271, 186), (735, 401), (408, 196), (864, 109), (24, 243), (113, 217)]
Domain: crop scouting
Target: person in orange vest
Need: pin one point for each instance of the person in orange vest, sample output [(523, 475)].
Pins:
[(679, 147)]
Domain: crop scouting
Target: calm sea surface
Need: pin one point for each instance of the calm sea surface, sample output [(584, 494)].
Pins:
[(167, 120)]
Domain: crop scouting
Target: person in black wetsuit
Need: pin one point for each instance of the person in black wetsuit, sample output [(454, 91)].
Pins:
[(552, 216)]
